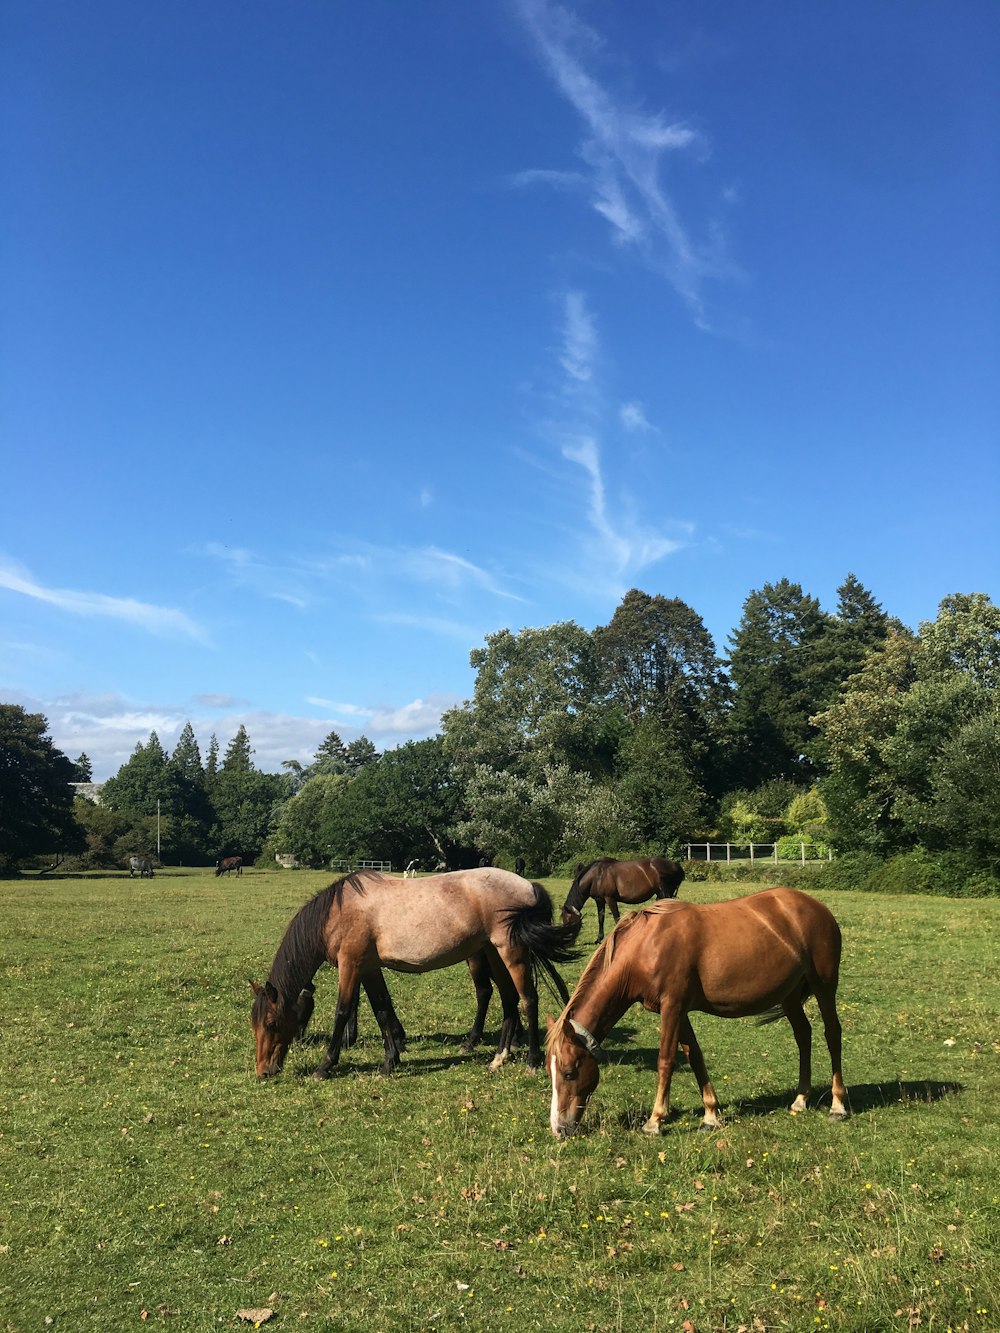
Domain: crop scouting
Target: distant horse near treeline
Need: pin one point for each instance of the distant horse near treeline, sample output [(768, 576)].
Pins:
[(228, 864), (141, 866), (610, 882)]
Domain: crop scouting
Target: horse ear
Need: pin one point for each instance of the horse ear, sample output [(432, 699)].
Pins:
[(255, 988), (549, 1022), (272, 993), (569, 1034)]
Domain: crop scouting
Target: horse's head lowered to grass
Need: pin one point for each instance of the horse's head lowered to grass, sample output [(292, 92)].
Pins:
[(276, 1024)]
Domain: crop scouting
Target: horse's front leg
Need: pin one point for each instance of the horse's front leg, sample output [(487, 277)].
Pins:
[(670, 1026), (479, 970), (347, 997), (600, 919), (381, 1003), (613, 904), (694, 1057)]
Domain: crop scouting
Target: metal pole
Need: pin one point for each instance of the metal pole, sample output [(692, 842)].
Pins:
[(157, 830)]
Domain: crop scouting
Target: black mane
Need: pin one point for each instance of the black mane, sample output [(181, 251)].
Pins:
[(302, 949)]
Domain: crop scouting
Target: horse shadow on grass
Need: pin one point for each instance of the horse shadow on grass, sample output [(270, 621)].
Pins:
[(861, 1097)]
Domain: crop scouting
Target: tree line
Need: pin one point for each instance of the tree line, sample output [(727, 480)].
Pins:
[(843, 728)]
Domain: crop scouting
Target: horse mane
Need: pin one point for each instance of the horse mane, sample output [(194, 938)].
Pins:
[(302, 948), (603, 958)]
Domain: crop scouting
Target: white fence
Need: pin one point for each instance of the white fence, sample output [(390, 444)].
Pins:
[(752, 851), (385, 866)]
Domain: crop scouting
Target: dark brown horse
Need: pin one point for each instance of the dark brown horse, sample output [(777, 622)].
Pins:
[(228, 864), (368, 921), (610, 882), (764, 954)]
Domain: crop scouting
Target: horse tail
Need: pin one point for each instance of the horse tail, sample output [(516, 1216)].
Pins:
[(545, 943), (776, 1013)]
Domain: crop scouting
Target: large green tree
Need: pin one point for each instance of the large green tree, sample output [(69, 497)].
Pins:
[(243, 801), (533, 704), (402, 806), (36, 800), (913, 743), (773, 665)]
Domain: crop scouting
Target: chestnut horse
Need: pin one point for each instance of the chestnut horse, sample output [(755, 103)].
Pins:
[(610, 882), (367, 921), (763, 954)]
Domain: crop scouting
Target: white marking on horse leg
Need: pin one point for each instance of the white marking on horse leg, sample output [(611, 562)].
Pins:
[(498, 1061), (799, 1104), (554, 1104)]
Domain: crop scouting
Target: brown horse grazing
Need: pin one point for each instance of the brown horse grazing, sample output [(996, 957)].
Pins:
[(368, 921), (610, 882), (228, 864), (764, 954)]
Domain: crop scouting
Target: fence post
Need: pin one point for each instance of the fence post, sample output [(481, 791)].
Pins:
[(729, 852), (775, 846), (802, 849), (751, 853)]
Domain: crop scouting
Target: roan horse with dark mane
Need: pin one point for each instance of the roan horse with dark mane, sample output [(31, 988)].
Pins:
[(764, 954), (367, 921), (610, 882)]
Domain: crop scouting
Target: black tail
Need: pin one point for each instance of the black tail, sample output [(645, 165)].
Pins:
[(545, 943)]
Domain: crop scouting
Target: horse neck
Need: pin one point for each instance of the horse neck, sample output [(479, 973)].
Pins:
[(577, 895), (602, 995), (302, 950)]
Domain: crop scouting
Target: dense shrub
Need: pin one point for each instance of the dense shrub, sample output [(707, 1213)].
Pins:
[(790, 848)]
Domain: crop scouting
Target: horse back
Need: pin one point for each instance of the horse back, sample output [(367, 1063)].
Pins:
[(742, 956), (419, 925)]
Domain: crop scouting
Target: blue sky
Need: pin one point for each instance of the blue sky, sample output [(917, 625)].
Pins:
[(335, 337)]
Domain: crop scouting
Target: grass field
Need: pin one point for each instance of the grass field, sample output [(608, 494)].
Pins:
[(146, 1178)]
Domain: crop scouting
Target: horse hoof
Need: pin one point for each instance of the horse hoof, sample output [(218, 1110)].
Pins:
[(838, 1115), (652, 1127), (322, 1074)]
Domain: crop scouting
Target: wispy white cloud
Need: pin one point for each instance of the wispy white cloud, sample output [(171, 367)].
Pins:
[(107, 727), (163, 621), (579, 339), (625, 150), (445, 569), (371, 566), (633, 417), (248, 570), (625, 544)]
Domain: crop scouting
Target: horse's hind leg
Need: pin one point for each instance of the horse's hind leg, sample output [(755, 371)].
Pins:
[(381, 1002), (347, 998), (508, 991), (694, 1057), (827, 1001), (519, 970), (600, 919), (803, 1039), (479, 970)]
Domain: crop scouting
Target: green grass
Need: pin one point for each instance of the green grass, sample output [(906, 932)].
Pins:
[(145, 1176)]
